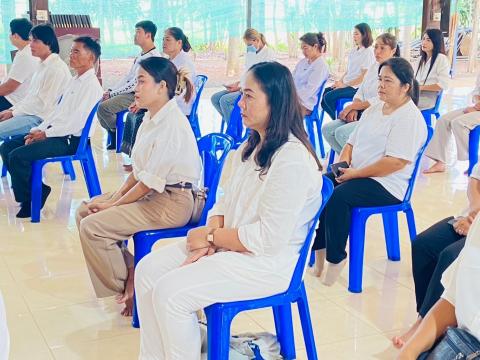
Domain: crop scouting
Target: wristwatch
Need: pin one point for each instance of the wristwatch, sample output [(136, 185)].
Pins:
[(210, 236)]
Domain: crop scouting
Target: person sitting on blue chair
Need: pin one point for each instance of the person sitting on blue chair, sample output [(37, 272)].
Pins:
[(156, 195), (249, 247), (381, 155), (59, 134), (311, 71), (47, 84)]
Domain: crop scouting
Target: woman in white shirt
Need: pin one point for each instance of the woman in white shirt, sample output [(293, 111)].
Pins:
[(432, 69), (458, 123), (459, 305), (156, 195), (249, 247), (310, 72), (257, 51), (360, 58), (381, 153), (337, 132)]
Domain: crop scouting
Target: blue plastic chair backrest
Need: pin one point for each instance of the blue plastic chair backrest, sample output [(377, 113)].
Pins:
[(235, 125), (213, 150), (411, 182), (319, 97), (200, 81), (327, 190), (82, 145)]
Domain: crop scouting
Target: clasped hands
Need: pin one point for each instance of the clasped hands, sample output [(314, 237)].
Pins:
[(462, 225), (36, 135), (348, 115), (198, 245), (347, 174)]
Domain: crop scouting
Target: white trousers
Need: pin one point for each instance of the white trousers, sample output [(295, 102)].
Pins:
[(456, 123), (4, 337), (169, 295)]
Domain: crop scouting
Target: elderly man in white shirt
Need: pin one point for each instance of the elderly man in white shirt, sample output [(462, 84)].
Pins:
[(60, 133), (15, 86), (47, 85)]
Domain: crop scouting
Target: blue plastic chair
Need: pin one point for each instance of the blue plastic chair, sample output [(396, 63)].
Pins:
[(200, 81), (83, 154), (120, 124), (4, 170), (235, 127), (340, 104), (220, 315), (316, 119), (360, 216), (212, 158), (473, 142), (428, 113)]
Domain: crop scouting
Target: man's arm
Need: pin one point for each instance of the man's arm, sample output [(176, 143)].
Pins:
[(9, 87)]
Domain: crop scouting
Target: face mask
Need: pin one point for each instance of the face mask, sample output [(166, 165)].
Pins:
[(251, 49)]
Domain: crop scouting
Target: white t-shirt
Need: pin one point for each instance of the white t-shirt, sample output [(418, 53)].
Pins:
[(368, 90), (400, 134), (438, 75), (308, 78), (23, 67), (359, 59), (266, 54), (183, 61)]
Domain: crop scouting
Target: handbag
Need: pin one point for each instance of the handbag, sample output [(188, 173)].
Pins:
[(199, 199), (457, 344)]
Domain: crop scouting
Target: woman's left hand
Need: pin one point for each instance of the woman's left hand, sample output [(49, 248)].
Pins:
[(462, 226), (198, 254), (197, 238), (347, 174), (98, 206)]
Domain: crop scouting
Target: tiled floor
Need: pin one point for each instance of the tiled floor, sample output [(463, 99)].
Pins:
[(53, 313)]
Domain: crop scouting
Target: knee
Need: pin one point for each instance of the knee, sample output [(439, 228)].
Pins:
[(446, 258), (170, 297)]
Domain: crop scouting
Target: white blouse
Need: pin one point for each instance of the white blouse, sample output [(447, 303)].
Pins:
[(438, 75), (272, 212), (359, 59), (368, 90), (460, 281), (183, 61), (308, 77), (166, 152), (266, 54), (400, 135)]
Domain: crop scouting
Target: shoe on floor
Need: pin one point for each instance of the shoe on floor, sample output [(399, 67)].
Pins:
[(46, 190), (25, 211)]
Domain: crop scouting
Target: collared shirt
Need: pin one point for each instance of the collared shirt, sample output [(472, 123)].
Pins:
[(128, 83), (368, 90), (78, 99), (183, 61), (359, 59), (166, 152), (400, 134), (272, 212), (23, 67), (266, 54), (47, 85), (460, 281), (438, 75), (308, 77)]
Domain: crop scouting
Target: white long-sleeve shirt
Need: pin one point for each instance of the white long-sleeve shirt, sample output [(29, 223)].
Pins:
[(78, 99), (308, 77), (359, 59), (368, 90), (48, 83), (183, 61), (272, 212), (266, 54), (166, 152), (128, 83), (438, 75)]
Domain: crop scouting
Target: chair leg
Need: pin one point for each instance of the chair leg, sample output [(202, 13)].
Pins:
[(284, 329), (90, 173), (412, 229), (357, 248), (306, 322), (218, 333), (311, 133), (319, 123), (331, 158), (392, 239), (68, 169), (119, 133), (36, 191), (311, 262)]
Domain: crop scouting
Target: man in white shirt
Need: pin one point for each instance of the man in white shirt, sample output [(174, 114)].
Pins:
[(45, 89), (15, 87), (60, 133), (121, 96)]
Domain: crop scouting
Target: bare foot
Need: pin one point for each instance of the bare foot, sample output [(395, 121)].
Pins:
[(399, 341), (435, 168), (319, 262), (127, 297), (333, 272)]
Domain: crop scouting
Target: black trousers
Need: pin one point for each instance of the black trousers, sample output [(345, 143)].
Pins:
[(330, 97), (432, 253), (132, 124), (334, 225), (4, 103), (19, 157)]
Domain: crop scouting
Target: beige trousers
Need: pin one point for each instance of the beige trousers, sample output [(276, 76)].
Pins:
[(456, 123), (102, 234)]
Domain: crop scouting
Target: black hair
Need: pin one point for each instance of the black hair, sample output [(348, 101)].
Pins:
[(404, 72), (21, 27), (436, 37), (178, 34), (313, 39), (148, 26), (367, 38), (390, 40), (46, 34), (163, 69), (276, 82), (90, 44)]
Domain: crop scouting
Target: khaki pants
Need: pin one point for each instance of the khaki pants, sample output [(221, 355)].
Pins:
[(102, 234), (108, 109)]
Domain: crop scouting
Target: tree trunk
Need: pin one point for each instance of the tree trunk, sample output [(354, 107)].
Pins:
[(406, 36), (233, 56), (292, 40)]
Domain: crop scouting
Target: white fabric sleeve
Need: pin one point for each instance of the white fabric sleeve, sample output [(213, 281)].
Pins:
[(223, 185), (368, 60), (360, 94), (402, 141), (353, 138), (279, 205), (21, 69), (316, 78), (442, 68)]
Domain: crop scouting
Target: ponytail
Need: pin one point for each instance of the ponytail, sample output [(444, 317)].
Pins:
[(414, 91), (262, 39), (178, 34), (397, 51), (313, 39), (184, 84), (252, 34)]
